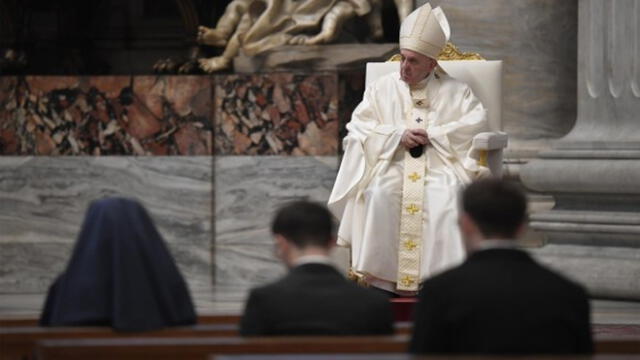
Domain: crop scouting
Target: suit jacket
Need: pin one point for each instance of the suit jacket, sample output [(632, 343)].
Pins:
[(315, 299), (500, 301)]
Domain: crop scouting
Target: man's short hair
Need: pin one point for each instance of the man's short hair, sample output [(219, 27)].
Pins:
[(496, 206), (304, 223)]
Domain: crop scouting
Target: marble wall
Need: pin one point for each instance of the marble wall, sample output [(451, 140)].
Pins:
[(248, 191), (265, 140), (43, 201), (537, 40), (223, 248)]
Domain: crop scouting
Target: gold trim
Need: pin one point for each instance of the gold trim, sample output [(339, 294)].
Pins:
[(395, 57), (357, 277), (483, 160), (450, 52), (410, 245), (412, 209), (408, 281), (414, 176)]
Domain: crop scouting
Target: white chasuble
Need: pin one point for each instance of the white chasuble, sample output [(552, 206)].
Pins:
[(398, 214)]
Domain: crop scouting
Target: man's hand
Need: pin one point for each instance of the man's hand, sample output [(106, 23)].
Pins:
[(414, 137)]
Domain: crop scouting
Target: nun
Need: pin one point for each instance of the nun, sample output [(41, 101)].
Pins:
[(120, 275)]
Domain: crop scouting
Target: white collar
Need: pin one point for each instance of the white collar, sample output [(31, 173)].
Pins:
[(313, 259), (496, 244)]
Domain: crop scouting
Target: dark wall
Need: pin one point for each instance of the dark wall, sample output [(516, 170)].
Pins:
[(98, 36)]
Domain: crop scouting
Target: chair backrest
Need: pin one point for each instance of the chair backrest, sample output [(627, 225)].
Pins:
[(483, 76)]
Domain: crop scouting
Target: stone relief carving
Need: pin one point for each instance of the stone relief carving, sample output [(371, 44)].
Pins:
[(255, 26)]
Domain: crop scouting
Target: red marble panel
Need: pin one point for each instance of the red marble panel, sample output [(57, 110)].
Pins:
[(276, 114), (105, 115)]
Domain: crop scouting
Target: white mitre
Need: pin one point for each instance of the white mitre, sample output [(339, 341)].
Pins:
[(425, 31)]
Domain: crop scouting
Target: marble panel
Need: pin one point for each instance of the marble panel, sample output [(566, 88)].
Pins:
[(248, 191), (245, 266), (31, 267), (43, 201), (276, 114), (105, 115)]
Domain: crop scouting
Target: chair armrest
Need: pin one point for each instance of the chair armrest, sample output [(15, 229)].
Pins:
[(490, 141)]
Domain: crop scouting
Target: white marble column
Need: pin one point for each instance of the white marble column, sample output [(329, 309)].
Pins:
[(593, 172)]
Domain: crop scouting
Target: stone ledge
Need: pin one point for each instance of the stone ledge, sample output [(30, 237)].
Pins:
[(588, 217), (591, 154), (591, 228), (337, 57), (585, 176), (589, 235)]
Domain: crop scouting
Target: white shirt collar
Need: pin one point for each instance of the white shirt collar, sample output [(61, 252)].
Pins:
[(496, 244), (313, 259)]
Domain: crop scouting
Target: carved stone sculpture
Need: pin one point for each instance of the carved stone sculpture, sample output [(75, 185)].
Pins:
[(255, 26)]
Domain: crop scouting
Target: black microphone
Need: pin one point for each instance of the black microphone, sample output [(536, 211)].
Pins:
[(416, 151)]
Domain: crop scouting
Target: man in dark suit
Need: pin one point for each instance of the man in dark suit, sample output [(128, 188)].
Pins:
[(313, 298), (499, 301)]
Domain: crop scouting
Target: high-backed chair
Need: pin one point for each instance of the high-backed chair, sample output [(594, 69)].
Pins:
[(485, 79)]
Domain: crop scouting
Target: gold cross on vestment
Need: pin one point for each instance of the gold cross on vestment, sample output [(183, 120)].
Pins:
[(414, 176), (412, 209), (410, 245), (407, 280)]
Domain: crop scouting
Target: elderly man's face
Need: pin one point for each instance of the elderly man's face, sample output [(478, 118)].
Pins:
[(415, 66)]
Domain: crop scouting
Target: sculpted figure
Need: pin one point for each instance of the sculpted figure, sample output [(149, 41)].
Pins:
[(256, 26)]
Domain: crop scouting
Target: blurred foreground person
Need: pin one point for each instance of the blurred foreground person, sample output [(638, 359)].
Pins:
[(121, 275), (313, 298), (499, 301)]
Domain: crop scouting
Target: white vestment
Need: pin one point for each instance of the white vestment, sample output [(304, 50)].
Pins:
[(368, 191)]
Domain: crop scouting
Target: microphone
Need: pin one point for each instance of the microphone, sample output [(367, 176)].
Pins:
[(416, 151)]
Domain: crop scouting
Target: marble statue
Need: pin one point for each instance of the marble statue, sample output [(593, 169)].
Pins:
[(255, 26)]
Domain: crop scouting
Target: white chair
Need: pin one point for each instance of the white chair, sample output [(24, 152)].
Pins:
[(485, 79)]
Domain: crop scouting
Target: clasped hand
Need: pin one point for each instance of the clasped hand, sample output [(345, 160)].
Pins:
[(414, 137)]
